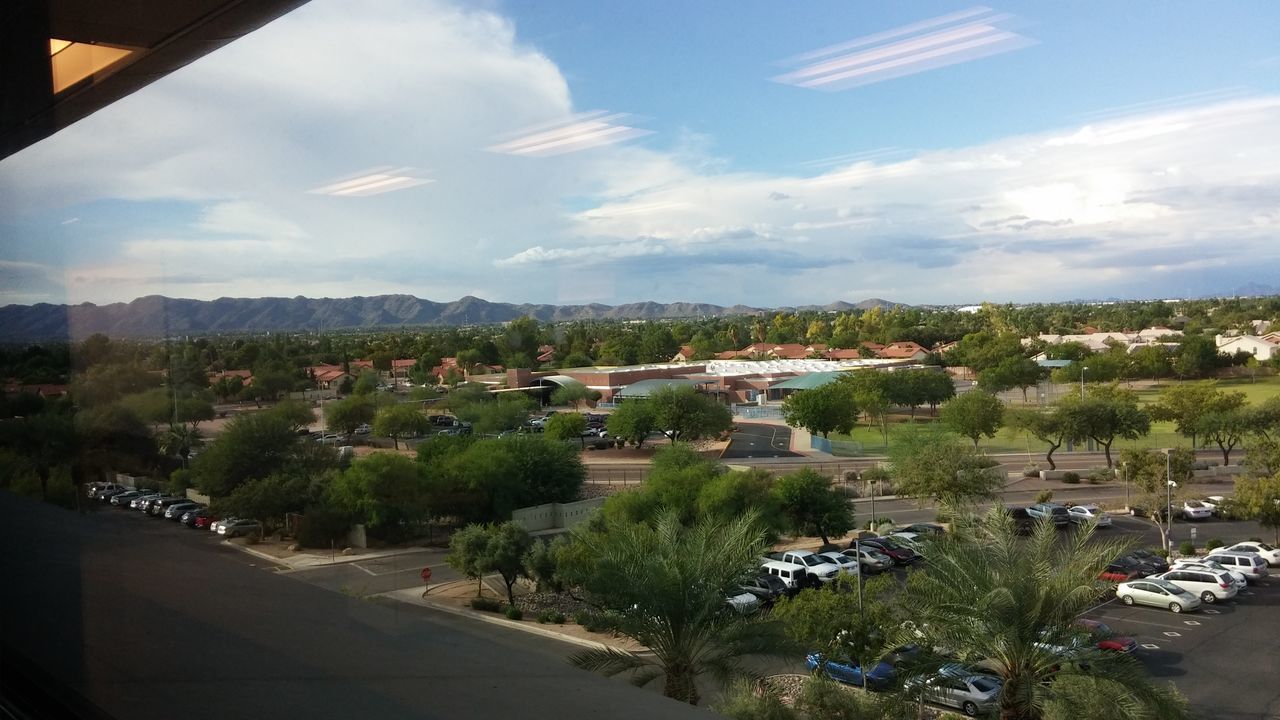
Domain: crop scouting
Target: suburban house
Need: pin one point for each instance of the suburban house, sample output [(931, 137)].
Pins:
[(329, 377), (902, 351), (1260, 348), (44, 390), (246, 376), (546, 354), (685, 354)]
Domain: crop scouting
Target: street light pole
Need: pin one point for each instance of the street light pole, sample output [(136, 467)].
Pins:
[(1168, 508), (1124, 468), (1083, 370)]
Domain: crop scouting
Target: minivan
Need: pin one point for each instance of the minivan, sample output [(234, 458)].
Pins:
[(1251, 564), (795, 576), (1212, 586)]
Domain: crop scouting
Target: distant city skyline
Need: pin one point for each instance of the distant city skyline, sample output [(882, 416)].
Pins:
[(729, 153)]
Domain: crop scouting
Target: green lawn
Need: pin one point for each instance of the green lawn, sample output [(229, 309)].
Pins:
[(1006, 441)]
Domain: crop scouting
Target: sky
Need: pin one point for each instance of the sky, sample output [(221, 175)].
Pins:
[(726, 152)]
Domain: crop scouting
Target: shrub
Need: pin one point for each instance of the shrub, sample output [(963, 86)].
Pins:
[(485, 604), (551, 616), (321, 526), (514, 613), (1187, 548), (878, 522), (1031, 470), (1070, 477), (1046, 496), (1212, 543)]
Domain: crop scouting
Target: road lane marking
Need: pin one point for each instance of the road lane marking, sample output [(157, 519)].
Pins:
[(1173, 634), (1150, 646), (358, 566), (1212, 611), (1191, 622), (1142, 622)]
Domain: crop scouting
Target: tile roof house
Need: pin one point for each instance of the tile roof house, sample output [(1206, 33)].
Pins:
[(546, 353), (44, 390), (1258, 347), (903, 351), (684, 355), (843, 354), (246, 376)]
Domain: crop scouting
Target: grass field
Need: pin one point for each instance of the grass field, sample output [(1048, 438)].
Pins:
[(1162, 434)]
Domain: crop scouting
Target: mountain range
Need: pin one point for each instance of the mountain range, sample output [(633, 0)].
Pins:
[(159, 316)]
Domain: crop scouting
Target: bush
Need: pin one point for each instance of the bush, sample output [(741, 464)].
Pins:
[(1046, 495), (1212, 543), (1032, 470), (1070, 477), (485, 604), (514, 613), (1100, 475), (321, 526), (551, 616), (582, 617), (878, 522), (1187, 548)]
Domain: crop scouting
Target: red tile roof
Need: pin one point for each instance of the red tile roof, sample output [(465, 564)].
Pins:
[(849, 354)]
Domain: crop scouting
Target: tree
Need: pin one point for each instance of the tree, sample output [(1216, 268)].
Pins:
[(344, 416), (813, 506), (1150, 361), (543, 563), (519, 342), (1258, 497), (574, 394), (384, 490), (728, 495), (296, 414), (504, 553), (683, 413), (179, 440), (467, 548), (931, 464), (1186, 403), (1107, 413), (367, 383), (397, 421), (485, 480), (982, 350), (632, 421), (665, 586), (869, 389), (253, 445), (1227, 427), (1197, 355), (1047, 426), (565, 426), (990, 595), (1016, 371), (973, 414), (267, 499), (822, 409), (1150, 472)]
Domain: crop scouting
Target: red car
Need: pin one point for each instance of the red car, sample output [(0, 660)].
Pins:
[(1119, 572), (1106, 639), (204, 521)]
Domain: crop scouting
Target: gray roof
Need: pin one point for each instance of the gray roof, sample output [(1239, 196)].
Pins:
[(643, 388)]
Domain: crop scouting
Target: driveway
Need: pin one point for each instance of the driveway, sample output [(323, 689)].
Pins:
[(759, 440)]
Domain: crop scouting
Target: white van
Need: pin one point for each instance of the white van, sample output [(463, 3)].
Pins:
[(1251, 564), (1212, 586), (795, 576)]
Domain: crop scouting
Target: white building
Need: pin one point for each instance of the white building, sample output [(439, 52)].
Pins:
[(1260, 348)]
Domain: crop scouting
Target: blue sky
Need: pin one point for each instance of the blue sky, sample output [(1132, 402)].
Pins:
[(616, 152)]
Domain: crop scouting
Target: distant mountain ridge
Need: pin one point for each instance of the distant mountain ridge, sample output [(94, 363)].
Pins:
[(159, 316)]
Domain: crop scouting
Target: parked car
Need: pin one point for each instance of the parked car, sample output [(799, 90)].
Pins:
[(960, 687), (870, 559), (363, 429), (190, 517), (157, 507), (879, 677), (1055, 513), (1192, 564), (96, 488), (1195, 510), (795, 577), (1146, 557), (123, 499), (1212, 502), (1265, 551), (205, 521), (1157, 593), (1251, 565), (216, 525), (847, 565), (1023, 522), (898, 552), (819, 567), (1210, 585), (177, 510), (105, 496), (743, 603), (1085, 514), (766, 588), (240, 528), (1105, 638), (136, 503), (925, 529), (148, 503), (1118, 572)]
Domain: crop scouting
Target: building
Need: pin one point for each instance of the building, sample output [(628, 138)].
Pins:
[(329, 377), (903, 351), (1260, 348)]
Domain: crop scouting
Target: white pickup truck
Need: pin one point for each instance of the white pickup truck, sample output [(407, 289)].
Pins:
[(813, 564)]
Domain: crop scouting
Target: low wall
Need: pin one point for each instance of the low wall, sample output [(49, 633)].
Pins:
[(555, 516)]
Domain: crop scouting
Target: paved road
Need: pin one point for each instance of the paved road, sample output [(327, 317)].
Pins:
[(760, 440), (379, 575), (147, 619)]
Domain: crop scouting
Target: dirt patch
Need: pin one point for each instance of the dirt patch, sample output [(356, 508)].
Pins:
[(459, 594)]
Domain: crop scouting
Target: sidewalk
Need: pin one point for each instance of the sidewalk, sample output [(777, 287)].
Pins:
[(305, 560)]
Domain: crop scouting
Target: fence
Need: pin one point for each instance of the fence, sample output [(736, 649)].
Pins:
[(756, 412), (611, 475)]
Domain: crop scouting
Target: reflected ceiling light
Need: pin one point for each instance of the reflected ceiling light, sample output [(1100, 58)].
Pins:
[(938, 42), (73, 62), (578, 132), (374, 181)]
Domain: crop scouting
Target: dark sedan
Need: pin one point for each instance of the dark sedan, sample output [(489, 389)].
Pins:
[(1150, 559), (766, 588)]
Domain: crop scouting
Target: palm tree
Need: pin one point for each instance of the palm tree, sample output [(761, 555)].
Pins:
[(1007, 602), (664, 585), (180, 439)]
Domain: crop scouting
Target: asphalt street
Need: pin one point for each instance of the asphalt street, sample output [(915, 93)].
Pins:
[(142, 618), (759, 440), (378, 575)]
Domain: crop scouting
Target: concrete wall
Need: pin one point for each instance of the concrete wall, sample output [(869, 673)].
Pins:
[(553, 516), (194, 496)]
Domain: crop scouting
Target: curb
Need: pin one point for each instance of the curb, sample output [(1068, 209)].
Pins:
[(402, 597), (320, 562)]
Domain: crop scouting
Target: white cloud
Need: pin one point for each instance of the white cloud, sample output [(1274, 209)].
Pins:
[(235, 140)]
